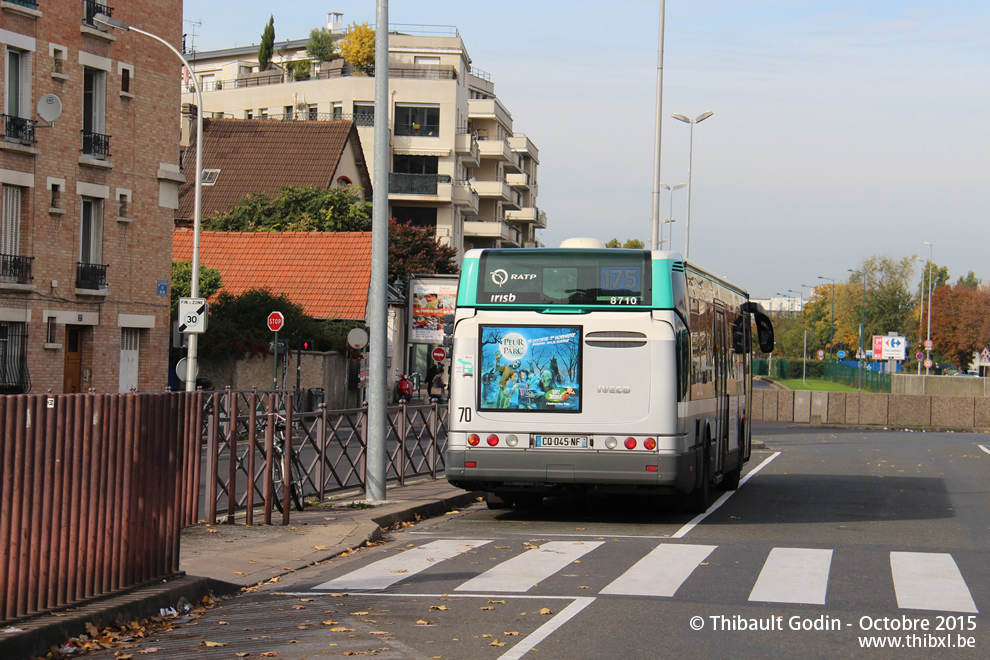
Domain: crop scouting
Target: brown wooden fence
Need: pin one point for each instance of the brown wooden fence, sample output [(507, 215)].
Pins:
[(91, 494)]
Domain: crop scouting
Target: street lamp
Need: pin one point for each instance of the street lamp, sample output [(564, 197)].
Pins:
[(928, 341), (671, 239), (921, 310), (697, 120), (862, 327), (831, 323), (814, 318), (670, 218), (193, 339)]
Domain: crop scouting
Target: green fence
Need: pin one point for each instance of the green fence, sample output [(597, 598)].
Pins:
[(872, 381), (796, 368)]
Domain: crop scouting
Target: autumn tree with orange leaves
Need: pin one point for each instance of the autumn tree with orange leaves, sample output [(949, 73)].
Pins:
[(960, 322)]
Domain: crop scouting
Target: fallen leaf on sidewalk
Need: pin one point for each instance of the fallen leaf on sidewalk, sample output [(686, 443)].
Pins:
[(238, 572), (442, 608), (329, 622), (450, 513), (497, 643), (243, 655), (360, 613), (319, 547), (212, 645)]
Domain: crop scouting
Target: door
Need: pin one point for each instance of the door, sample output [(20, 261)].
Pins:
[(129, 358), (721, 389), (72, 378)]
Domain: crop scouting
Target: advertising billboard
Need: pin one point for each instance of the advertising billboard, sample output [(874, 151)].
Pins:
[(430, 298), (530, 368)]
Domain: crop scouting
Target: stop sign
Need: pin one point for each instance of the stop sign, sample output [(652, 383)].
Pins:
[(439, 354), (275, 321)]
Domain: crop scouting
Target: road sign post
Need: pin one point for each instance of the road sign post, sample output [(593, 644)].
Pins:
[(275, 322)]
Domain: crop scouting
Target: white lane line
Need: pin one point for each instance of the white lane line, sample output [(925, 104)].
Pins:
[(679, 534), (527, 644), (386, 572), (660, 573), (523, 572), (984, 448), (793, 575), (930, 581)]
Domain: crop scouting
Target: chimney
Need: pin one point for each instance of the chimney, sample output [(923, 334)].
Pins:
[(335, 22)]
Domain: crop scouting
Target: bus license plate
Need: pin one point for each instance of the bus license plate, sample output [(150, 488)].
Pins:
[(561, 441)]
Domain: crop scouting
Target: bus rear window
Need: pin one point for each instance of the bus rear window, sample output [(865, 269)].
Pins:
[(614, 278)]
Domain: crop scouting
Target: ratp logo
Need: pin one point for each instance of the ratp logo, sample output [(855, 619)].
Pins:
[(499, 277)]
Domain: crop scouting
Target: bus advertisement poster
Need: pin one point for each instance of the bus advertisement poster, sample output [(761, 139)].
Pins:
[(430, 297), (530, 368)]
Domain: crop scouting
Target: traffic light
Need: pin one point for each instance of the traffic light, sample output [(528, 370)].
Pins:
[(307, 345)]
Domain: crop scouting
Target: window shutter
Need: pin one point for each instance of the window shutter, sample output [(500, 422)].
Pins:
[(10, 226)]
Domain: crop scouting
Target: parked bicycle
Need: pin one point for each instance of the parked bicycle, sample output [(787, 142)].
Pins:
[(296, 475)]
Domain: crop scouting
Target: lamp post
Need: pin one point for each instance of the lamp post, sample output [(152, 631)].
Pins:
[(862, 329), (928, 340), (804, 362), (831, 321), (670, 218), (697, 120), (921, 310), (193, 339), (671, 239)]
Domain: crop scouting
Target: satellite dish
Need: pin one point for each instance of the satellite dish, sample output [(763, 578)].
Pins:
[(49, 108)]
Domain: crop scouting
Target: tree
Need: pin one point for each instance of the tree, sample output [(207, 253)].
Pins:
[(238, 324), (209, 283), (305, 208), (267, 47), (631, 244), (414, 249), (971, 281), (322, 45), (358, 47), (963, 322)]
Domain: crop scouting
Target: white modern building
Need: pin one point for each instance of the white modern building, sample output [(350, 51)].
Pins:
[(457, 164)]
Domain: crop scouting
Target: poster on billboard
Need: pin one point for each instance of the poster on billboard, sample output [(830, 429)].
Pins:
[(530, 368), (430, 298)]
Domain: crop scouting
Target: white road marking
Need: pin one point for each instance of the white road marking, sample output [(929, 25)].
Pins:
[(660, 573), (529, 642), (395, 568), (523, 572), (682, 532), (793, 575), (984, 448), (930, 581)]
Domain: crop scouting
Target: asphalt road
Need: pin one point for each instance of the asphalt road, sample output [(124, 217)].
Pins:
[(839, 539)]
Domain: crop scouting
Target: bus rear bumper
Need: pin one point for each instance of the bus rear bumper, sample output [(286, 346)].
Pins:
[(560, 471)]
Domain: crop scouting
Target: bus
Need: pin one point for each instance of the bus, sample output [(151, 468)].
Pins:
[(598, 370)]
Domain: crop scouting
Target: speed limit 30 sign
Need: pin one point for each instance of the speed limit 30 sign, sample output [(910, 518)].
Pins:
[(192, 315)]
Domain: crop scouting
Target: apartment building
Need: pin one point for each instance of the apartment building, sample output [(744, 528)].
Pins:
[(456, 163), (89, 167)]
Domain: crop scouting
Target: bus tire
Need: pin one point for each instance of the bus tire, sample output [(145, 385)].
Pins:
[(701, 496)]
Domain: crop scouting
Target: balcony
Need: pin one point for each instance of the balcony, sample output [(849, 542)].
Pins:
[(93, 8), (521, 144), (497, 190), (518, 180), (465, 198), (95, 145), (15, 269), (497, 149), (466, 146), (18, 128), (528, 214), (400, 183), (493, 228), (92, 277)]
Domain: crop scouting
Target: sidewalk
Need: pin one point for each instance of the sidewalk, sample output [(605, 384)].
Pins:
[(222, 559)]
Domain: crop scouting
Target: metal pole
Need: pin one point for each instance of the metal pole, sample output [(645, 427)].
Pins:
[(656, 146), (928, 351), (687, 222), (377, 300)]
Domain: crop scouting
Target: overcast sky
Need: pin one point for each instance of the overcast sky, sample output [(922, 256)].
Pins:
[(841, 129)]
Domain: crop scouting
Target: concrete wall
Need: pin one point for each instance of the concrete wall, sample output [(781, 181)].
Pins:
[(939, 385), (894, 410)]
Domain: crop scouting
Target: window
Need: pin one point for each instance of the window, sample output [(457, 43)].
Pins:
[(210, 177), (125, 80), (249, 114), (263, 113), (10, 225), (313, 114), (287, 112), (13, 359), (337, 110), (364, 114), (56, 195), (122, 204), (95, 142), (91, 231), (418, 216), (17, 92), (417, 120)]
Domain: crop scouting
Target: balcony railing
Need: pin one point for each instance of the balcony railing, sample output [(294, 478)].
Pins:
[(415, 184), (15, 269), (91, 276), (95, 144), (93, 8), (281, 77), (18, 128)]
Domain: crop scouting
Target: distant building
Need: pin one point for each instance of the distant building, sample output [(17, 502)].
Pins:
[(87, 200), (456, 164)]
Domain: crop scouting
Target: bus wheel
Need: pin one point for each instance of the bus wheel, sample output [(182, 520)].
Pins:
[(702, 494)]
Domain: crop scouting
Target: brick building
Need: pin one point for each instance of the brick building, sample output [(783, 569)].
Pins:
[(88, 201)]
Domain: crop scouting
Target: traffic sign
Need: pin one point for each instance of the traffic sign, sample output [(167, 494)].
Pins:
[(928, 364), (886, 347), (821, 354), (192, 315), (439, 354), (840, 354), (929, 344), (919, 356), (357, 338), (276, 321)]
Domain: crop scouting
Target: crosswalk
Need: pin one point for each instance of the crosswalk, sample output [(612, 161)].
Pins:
[(921, 580)]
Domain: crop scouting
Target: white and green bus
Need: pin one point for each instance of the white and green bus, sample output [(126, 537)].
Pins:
[(586, 369)]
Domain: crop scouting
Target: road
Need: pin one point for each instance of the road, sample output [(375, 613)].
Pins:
[(840, 539)]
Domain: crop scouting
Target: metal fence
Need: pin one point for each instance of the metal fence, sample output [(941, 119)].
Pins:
[(91, 489), (331, 446), (869, 380)]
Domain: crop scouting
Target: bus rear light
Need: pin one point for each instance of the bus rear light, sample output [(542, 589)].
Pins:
[(468, 464), (651, 468), (492, 440), (512, 440), (630, 443), (650, 443), (611, 442), (474, 439)]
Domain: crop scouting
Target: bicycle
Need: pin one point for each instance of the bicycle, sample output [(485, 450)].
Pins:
[(296, 471)]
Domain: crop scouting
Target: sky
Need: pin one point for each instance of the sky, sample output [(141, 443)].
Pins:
[(841, 130)]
